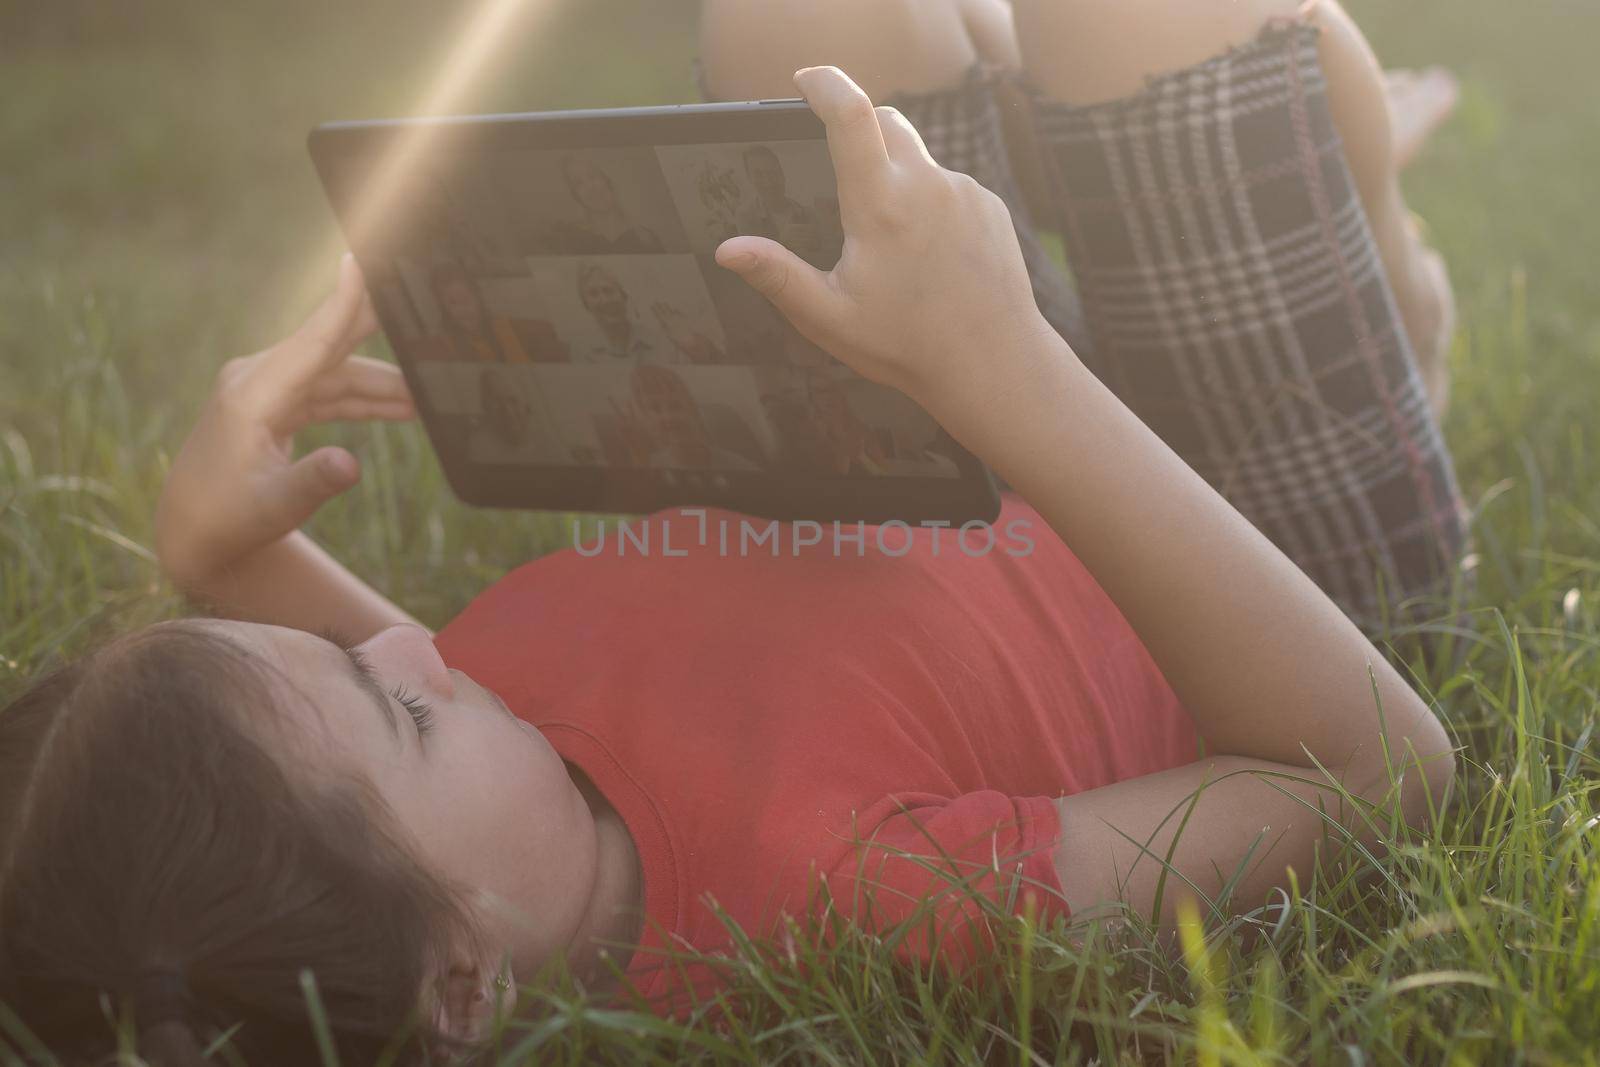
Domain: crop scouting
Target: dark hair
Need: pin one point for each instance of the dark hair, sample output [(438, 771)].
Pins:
[(156, 856)]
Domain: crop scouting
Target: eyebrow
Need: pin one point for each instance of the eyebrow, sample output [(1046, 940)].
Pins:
[(361, 673)]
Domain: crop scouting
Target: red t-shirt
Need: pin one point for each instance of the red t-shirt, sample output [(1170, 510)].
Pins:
[(753, 719)]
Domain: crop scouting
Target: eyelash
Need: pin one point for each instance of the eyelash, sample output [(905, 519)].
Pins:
[(420, 711)]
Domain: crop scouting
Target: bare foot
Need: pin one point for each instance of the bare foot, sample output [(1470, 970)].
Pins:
[(1419, 102)]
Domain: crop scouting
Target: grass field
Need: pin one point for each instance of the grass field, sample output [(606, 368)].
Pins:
[(158, 214)]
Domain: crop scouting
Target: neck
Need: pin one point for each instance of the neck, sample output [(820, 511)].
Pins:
[(616, 906)]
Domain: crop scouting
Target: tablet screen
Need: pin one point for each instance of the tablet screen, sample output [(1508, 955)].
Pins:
[(561, 308)]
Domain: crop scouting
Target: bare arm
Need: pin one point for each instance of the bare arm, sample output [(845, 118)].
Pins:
[(1274, 674), (227, 526), (295, 582)]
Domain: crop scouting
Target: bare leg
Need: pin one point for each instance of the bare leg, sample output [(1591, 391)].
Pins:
[(1090, 51), (750, 49)]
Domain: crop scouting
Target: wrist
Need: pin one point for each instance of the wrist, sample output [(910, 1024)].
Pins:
[(185, 570), (990, 379), (193, 568)]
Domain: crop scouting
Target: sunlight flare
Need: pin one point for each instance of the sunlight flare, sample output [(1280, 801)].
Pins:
[(472, 58)]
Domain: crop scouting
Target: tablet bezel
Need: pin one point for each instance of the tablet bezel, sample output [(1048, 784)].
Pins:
[(343, 151)]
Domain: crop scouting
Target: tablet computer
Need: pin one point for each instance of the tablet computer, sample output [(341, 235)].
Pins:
[(548, 286)]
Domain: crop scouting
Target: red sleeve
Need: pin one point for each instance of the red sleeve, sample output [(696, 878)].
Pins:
[(952, 868)]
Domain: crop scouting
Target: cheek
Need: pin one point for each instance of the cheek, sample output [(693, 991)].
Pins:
[(501, 802)]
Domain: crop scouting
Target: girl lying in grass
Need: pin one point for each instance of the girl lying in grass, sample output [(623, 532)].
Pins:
[(198, 813)]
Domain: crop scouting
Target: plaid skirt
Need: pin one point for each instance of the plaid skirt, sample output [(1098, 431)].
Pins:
[(1226, 285)]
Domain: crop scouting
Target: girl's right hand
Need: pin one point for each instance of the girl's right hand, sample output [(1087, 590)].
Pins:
[(931, 294), (236, 487)]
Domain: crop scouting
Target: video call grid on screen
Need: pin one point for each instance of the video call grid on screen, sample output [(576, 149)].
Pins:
[(561, 307)]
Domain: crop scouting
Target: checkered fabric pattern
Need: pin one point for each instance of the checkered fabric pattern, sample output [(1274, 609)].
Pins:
[(963, 131), (1239, 306)]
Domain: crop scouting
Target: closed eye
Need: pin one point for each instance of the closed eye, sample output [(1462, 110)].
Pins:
[(420, 711)]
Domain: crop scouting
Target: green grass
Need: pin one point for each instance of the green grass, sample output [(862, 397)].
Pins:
[(157, 214)]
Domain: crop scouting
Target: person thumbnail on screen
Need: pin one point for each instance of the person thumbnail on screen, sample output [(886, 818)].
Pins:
[(604, 226), (777, 215), (629, 310), (678, 434), (846, 427), (512, 426), (589, 202), (468, 330), (783, 190)]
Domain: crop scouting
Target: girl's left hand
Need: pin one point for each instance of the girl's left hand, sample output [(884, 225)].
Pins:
[(931, 294), (235, 486)]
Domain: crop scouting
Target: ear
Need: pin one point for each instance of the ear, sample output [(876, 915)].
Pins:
[(471, 994)]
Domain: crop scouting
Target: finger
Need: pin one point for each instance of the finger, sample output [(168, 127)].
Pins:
[(860, 159), (796, 288), (366, 322), (904, 143), (324, 338), (355, 409), (359, 376), (294, 495)]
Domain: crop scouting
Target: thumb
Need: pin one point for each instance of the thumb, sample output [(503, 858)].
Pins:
[(796, 288), (311, 482)]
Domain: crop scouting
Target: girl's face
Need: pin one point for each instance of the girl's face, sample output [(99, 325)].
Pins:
[(484, 799)]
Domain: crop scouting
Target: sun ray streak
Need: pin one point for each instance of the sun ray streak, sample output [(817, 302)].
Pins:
[(471, 58)]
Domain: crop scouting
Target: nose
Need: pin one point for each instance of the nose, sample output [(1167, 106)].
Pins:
[(405, 652)]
